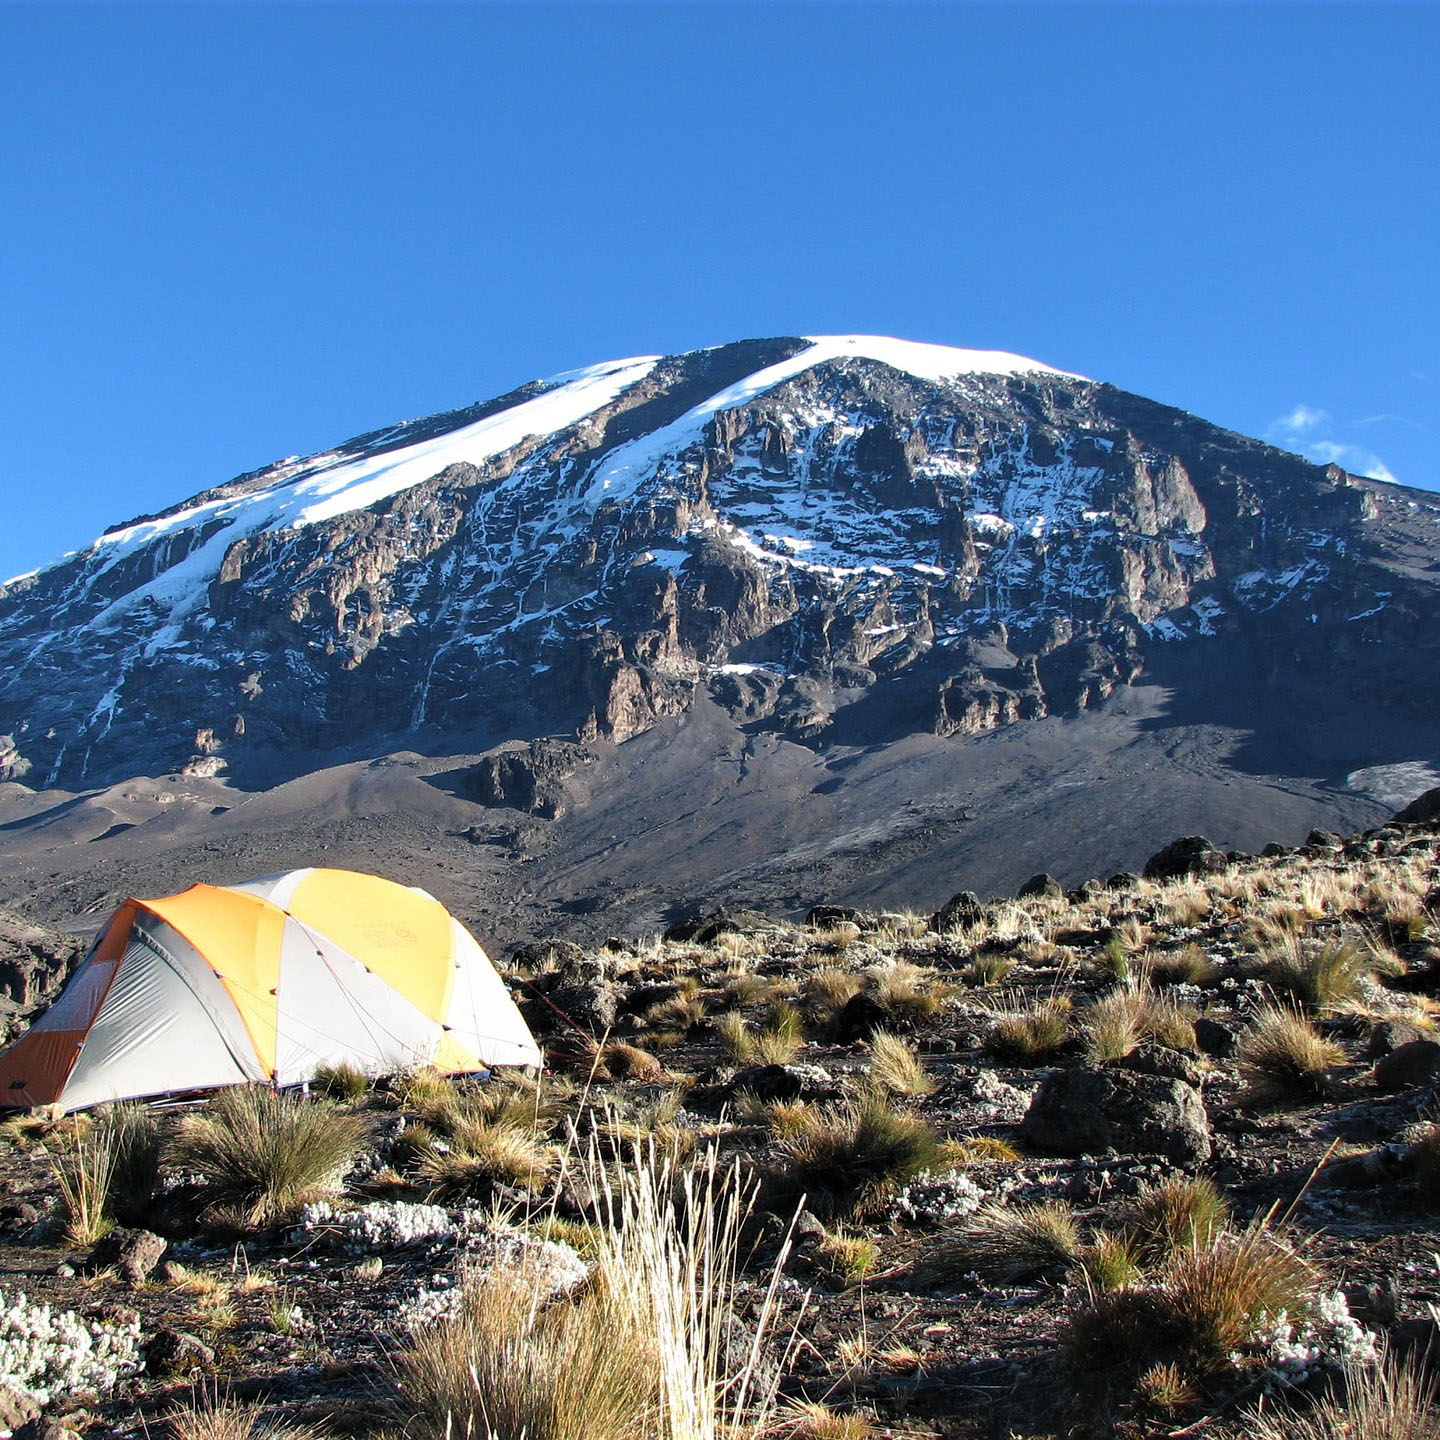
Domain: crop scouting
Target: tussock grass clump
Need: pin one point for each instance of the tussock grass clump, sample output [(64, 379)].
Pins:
[(1390, 1401), (1033, 1034), (748, 1045), (849, 1158), (1189, 965), (1206, 1305), (427, 1093), (84, 1174), (894, 1066), (1283, 1057), (108, 1172), (1185, 1213), (1220, 1292), (977, 1149), (643, 1352), (1109, 1262), (220, 1418), (511, 1364), (681, 1017), (813, 1420), (1319, 977), (342, 1081), (260, 1155), (481, 1156), (987, 968), (847, 1257), (136, 1137), (908, 993), (827, 991), (1111, 1025), (1017, 1242), (1165, 1387)]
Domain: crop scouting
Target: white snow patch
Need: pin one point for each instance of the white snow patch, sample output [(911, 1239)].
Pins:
[(934, 570), (1394, 785), (328, 487), (990, 524)]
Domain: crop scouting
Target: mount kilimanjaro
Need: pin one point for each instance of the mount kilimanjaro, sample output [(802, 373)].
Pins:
[(839, 618)]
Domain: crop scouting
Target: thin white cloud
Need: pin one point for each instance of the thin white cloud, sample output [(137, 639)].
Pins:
[(1301, 419), (1300, 430)]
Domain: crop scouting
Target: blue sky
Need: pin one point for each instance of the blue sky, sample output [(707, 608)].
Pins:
[(233, 233)]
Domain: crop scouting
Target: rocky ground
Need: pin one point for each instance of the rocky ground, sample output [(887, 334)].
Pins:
[(985, 1108)]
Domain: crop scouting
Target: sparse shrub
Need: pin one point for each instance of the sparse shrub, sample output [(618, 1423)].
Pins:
[(1319, 977), (894, 1066), (260, 1155), (1282, 1056), (849, 1158), (988, 967), (1390, 1401), (1184, 1213), (1016, 1242), (342, 1081), (45, 1353), (847, 1257), (1033, 1034)]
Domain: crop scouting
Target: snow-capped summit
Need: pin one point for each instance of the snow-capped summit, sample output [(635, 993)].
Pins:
[(792, 527)]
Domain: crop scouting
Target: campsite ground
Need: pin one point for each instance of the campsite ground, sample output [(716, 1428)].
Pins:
[(921, 1305)]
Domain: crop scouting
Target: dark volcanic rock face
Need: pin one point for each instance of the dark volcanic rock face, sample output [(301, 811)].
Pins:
[(838, 549)]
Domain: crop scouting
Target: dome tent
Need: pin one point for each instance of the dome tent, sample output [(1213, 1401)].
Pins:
[(267, 981)]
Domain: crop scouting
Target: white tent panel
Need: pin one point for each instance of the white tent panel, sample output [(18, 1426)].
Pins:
[(166, 1025), (332, 1009), (482, 1014)]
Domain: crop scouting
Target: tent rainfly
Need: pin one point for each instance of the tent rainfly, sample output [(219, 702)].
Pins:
[(267, 981)]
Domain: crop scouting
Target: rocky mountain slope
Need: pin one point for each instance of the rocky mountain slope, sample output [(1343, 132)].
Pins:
[(725, 591)]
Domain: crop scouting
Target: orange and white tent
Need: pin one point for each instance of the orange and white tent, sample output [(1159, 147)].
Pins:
[(266, 981)]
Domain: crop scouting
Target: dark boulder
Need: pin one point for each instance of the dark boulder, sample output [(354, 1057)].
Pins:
[(1042, 887), (1190, 855), (134, 1253), (959, 910), (1415, 1063), (859, 1018), (1084, 1111)]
